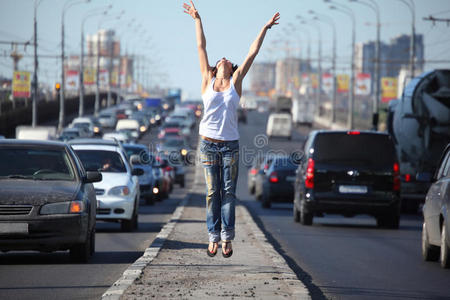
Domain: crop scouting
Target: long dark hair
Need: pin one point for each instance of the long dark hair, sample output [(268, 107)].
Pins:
[(233, 68)]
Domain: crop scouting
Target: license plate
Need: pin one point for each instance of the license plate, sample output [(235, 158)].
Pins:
[(353, 189), (290, 178), (13, 228)]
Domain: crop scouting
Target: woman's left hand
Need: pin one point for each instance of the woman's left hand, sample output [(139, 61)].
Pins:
[(273, 20)]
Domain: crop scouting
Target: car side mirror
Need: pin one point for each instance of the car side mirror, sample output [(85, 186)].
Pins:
[(137, 172), (135, 159), (93, 176)]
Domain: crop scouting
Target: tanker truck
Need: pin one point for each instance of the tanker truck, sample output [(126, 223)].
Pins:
[(419, 123)]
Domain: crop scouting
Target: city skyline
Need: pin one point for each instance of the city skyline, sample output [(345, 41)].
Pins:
[(170, 34)]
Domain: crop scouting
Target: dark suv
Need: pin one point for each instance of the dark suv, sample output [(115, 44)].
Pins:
[(348, 173)]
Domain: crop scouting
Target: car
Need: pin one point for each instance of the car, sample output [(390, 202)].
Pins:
[(279, 125), (47, 202), (120, 136), (260, 175), (242, 115), (163, 181), (436, 212), (139, 156), (135, 127), (277, 183), (107, 119), (174, 166), (118, 193), (348, 173), (252, 172), (90, 123), (169, 133), (177, 148), (73, 133)]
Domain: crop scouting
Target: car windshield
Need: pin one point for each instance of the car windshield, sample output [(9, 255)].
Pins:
[(81, 125), (284, 163), (173, 143), (103, 161), (363, 149), (145, 156), (35, 164)]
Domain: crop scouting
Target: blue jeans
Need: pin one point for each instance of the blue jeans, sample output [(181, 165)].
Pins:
[(220, 162)]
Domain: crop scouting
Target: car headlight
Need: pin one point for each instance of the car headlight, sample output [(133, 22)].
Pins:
[(142, 128), (184, 152), (152, 121), (71, 207), (121, 191), (157, 117)]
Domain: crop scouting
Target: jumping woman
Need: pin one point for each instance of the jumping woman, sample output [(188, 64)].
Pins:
[(219, 136)]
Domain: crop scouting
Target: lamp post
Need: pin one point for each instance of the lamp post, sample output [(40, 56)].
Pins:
[(97, 90), (412, 46), (66, 6), (329, 21), (36, 66), (319, 63), (344, 9), (81, 77), (377, 99)]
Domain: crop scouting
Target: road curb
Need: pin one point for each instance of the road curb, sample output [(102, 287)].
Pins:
[(286, 274), (135, 270)]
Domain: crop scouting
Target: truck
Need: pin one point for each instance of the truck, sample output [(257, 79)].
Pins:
[(419, 123), (303, 110), (24, 132), (282, 104)]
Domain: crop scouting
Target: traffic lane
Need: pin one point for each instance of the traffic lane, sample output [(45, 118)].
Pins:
[(364, 261), (31, 275)]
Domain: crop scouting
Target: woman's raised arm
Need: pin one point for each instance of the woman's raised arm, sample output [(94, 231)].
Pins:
[(240, 73), (201, 41)]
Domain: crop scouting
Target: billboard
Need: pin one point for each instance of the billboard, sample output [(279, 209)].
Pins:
[(343, 81), (388, 88), (89, 76), (327, 83), (21, 84), (362, 86), (314, 80), (72, 80)]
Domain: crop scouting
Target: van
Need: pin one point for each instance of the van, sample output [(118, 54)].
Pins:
[(280, 125), (36, 133), (303, 111)]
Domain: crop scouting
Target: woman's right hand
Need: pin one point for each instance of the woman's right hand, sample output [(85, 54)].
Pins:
[(190, 10)]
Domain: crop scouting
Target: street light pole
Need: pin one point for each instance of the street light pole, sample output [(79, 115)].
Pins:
[(81, 77), (36, 65), (330, 22), (351, 105), (412, 46), (66, 6), (376, 100)]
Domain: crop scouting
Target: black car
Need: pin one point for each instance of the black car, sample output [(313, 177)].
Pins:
[(277, 182), (348, 173), (242, 115), (47, 201)]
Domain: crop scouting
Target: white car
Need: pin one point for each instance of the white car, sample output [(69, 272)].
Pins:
[(118, 193), (280, 125), (131, 125), (88, 123)]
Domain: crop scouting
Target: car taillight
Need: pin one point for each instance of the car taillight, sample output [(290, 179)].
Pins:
[(266, 166), (407, 177), (309, 181), (353, 132), (169, 169), (396, 177), (253, 171), (273, 177)]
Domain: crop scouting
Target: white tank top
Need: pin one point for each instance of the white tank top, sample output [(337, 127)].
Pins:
[(220, 113)]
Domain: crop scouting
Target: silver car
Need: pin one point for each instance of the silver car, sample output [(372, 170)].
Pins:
[(436, 225)]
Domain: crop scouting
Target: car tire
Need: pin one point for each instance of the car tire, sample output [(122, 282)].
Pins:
[(266, 203), (81, 253), (306, 218), (429, 252), (296, 214), (444, 258), (129, 225), (390, 221), (149, 200)]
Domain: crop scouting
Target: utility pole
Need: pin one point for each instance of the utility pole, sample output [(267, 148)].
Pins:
[(35, 76), (97, 78)]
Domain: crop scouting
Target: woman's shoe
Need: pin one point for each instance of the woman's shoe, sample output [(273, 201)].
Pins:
[(225, 247), (211, 254)]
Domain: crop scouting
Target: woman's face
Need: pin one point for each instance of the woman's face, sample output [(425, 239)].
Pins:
[(224, 63)]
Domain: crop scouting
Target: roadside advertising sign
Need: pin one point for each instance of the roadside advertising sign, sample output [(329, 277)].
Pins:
[(72, 80), (21, 84), (388, 88), (327, 83), (362, 86), (343, 82), (89, 76)]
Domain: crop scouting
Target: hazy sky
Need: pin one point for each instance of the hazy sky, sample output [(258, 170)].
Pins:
[(230, 27)]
